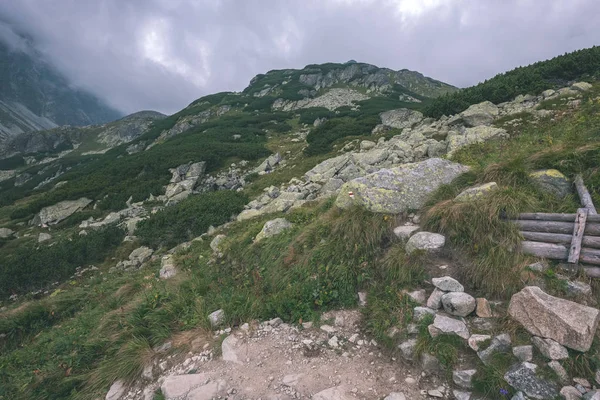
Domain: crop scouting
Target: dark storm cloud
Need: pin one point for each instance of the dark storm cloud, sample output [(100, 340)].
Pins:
[(162, 54)]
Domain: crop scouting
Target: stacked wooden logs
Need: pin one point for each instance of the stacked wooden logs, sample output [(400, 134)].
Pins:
[(568, 237)]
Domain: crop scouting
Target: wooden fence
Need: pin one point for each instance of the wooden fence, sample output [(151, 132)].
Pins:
[(574, 238)]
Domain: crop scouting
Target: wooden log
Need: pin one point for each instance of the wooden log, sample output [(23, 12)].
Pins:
[(545, 250), (592, 272), (578, 229), (591, 229), (556, 217), (584, 195), (560, 238), (590, 256)]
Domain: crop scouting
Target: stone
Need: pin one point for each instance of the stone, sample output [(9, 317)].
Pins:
[(447, 284), (435, 299), (476, 192), (408, 349), (168, 269), (333, 342), (140, 255), (449, 325), (405, 231), (583, 382), (499, 344), (578, 289), (425, 241), (401, 118), (291, 380), (178, 386), (228, 349), (480, 114), (538, 266), (367, 145), (581, 86), (430, 364), (552, 181), (272, 228), (460, 395), (475, 341), (421, 312), (42, 237), (483, 309), (550, 349), (395, 396), (332, 393), (268, 164), (435, 393), (216, 318), (570, 393), (459, 304), (54, 214), (5, 233), (418, 296), (362, 299), (248, 214), (522, 377), (208, 391), (478, 134), (570, 324), (523, 353), (399, 189), (519, 396), (215, 244), (463, 378), (116, 391), (560, 371), (328, 328), (592, 395)]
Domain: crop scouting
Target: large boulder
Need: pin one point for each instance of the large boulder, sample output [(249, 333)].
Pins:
[(425, 241), (401, 118), (399, 189), (571, 324), (460, 304), (552, 181), (478, 134), (5, 233), (272, 228), (523, 377), (267, 166), (54, 214), (326, 170), (480, 114)]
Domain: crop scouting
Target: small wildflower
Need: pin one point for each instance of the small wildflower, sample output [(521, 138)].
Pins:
[(504, 392)]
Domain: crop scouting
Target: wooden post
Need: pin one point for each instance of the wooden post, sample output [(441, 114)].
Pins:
[(584, 195), (578, 229)]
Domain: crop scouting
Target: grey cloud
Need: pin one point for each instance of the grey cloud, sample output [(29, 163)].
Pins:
[(163, 54)]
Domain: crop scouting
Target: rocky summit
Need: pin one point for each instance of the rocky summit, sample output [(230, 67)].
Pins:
[(340, 231)]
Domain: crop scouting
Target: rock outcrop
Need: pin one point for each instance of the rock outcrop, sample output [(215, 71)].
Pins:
[(272, 228), (54, 214)]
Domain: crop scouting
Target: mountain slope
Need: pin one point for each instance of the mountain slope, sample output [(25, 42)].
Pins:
[(34, 96)]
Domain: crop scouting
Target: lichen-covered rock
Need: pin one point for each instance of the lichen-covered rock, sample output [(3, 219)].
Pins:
[(460, 304), (405, 231), (550, 349), (54, 214), (571, 324), (272, 228), (581, 86), (479, 114), (43, 236), (476, 192), (447, 284), (168, 269), (447, 325), (425, 241), (401, 118), (6, 233), (399, 189), (478, 134), (215, 244), (522, 377), (552, 181), (267, 165)]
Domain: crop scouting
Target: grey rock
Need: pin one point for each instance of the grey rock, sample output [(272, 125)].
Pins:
[(550, 349), (405, 231), (552, 181), (401, 118), (116, 391), (475, 341), (463, 378), (399, 189), (435, 299), (420, 312), (447, 325), (54, 214), (208, 391), (395, 396), (592, 395), (430, 364), (266, 166), (140, 255), (519, 396), (181, 386), (571, 324), (228, 349), (408, 349), (332, 393), (458, 303), (448, 284), (523, 353), (435, 393), (215, 244), (272, 228), (216, 318), (476, 192), (581, 86), (478, 134), (168, 269), (6, 233), (522, 377), (43, 236), (427, 241), (291, 380), (418, 296), (560, 372), (499, 344), (570, 393), (460, 395), (538, 266), (367, 145), (480, 114), (578, 289)]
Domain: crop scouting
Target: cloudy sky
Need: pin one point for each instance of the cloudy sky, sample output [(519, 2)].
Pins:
[(163, 54)]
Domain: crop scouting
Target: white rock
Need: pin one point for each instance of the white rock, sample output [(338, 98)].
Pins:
[(291, 380), (395, 396), (435, 299), (550, 349), (475, 340), (333, 342), (405, 231), (458, 303), (448, 284), (328, 328), (523, 353), (427, 241), (228, 349), (117, 389), (333, 393), (450, 325), (463, 378), (217, 318)]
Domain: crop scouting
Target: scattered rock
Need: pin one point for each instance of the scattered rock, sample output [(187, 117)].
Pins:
[(367, 145), (463, 378), (459, 395), (116, 390), (362, 299), (570, 324), (435, 299), (478, 134), (552, 181), (522, 377), (581, 86), (523, 353), (272, 228), (179, 386), (458, 303), (291, 380), (5, 233), (395, 396), (425, 241), (479, 114), (328, 328), (450, 325), (408, 349), (570, 393), (550, 349), (476, 192), (499, 344), (215, 244), (54, 214), (333, 393), (420, 312), (539, 266), (140, 255), (418, 296), (401, 118), (475, 341), (42, 237), (560, 371), (430, 364), (448, 284), (483, 308), (228, 347), (168, 269), (405, 231), (216, 318), (578, 289), (399, 189), (435, 393)]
